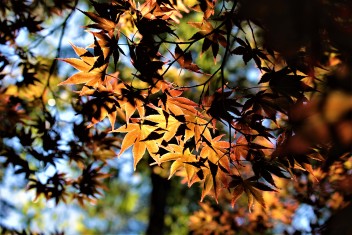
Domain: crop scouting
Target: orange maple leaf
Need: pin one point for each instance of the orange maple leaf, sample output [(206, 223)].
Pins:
[(137, 134)]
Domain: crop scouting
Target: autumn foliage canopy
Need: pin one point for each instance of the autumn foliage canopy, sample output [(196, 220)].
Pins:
[(163, 79)]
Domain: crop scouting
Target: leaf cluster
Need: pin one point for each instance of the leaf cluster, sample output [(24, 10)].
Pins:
[(160, 121), (205, 127)]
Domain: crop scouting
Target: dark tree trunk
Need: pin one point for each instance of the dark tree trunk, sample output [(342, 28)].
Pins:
[(158, 198)]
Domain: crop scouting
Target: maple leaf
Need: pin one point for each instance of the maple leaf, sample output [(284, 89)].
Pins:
[(183, 108), (99, 108), (267, 104), (253, 190), (112, 10), (212, 37), (167, 122), (90, 184), (129, 100), (250, 123), (105, 45), (240, 149), (249, 53), (100, 22), (197, 127), (285, 83), (212, 179), (184, 59), (181, 157), (113, 98), (89, 75), (221, 105), (216, 150), (137, 135), (208, 184), (236, 184), (152, 9), (251, 187), (236, 194), (187, 110), (179, 105), (205, 6), (265, 169)]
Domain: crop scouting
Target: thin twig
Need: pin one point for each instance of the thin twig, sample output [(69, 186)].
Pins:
[(58, 50)]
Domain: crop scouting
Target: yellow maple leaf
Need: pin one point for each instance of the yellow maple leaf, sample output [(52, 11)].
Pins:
[(89, 74), (181, 157), (216, 151), (165, 121)]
